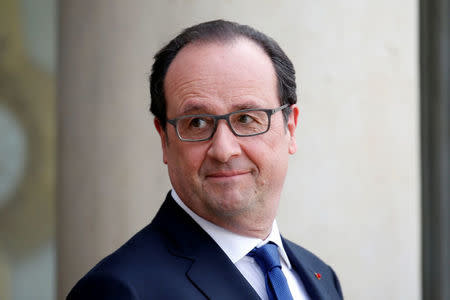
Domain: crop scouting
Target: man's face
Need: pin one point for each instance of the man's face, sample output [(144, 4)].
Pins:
[(234, 182)]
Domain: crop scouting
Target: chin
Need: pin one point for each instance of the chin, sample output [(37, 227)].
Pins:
[(230, 202)]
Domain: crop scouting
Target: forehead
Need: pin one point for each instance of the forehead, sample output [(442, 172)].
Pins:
[(224, 75)]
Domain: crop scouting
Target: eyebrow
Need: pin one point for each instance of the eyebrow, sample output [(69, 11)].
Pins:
[(202, 107), (194, 108)]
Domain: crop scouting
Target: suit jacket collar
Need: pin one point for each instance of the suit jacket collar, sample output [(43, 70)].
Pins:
[(211, 270)]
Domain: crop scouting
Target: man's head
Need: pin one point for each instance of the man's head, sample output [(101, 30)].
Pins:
[(220, 31), (232, 181)]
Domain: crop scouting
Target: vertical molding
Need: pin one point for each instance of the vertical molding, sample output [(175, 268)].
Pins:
[(435, 147)]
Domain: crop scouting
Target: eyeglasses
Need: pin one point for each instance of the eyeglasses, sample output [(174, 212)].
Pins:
[(246, 122)]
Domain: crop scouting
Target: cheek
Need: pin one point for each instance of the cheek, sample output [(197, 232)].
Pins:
[(270, 154), (185, 158)]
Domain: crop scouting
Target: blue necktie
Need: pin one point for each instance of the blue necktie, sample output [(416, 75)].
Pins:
[(268, 259)]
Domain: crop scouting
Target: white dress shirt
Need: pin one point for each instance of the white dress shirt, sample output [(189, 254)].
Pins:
[(236, 247)]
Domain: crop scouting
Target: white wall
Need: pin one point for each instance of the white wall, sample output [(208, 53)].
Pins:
[(352, 193)]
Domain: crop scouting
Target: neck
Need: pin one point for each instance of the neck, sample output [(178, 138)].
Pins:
[(250, 224)]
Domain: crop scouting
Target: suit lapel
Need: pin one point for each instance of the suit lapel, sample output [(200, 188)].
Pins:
[(315, 288), (218, 278), (211, 270)]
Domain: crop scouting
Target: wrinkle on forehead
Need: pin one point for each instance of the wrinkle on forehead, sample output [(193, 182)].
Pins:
[(189, 87)]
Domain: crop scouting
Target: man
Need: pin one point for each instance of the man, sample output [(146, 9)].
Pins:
[(223, 96)]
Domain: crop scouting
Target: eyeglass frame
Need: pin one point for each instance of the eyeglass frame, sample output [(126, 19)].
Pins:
[(226, 117)]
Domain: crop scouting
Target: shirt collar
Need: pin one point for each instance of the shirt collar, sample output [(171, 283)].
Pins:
[(234, 245)]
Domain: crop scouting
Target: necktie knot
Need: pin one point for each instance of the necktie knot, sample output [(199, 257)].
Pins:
[(266, 257)]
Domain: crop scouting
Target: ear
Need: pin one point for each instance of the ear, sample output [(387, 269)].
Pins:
[(162, 135), (292, 125)]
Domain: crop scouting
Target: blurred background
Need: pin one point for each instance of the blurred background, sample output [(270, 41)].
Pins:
[(81, 167), (28, 55)]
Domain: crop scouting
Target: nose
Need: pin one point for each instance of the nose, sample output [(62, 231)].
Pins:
[(224, 144)]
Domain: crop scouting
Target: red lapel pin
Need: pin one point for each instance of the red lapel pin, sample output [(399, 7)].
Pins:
[(318, 276)]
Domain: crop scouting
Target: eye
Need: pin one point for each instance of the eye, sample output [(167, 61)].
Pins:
[(198, 123), (245, 119)]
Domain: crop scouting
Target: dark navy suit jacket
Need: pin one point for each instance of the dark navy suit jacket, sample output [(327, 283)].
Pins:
[(174, 258)]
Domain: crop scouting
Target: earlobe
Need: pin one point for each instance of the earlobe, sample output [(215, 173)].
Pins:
[(162, 135), (292, 125)]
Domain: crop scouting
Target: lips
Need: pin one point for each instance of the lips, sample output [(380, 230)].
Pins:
[(224, 174)]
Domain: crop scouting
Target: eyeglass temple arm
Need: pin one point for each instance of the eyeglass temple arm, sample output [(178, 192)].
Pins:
[(279, 108)]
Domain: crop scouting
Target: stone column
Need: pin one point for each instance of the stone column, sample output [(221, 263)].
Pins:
[(110, 173)]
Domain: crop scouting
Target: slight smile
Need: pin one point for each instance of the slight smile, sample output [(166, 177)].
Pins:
[(227, 174)]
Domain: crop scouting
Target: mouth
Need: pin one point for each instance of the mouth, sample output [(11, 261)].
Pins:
[(227, 174)]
